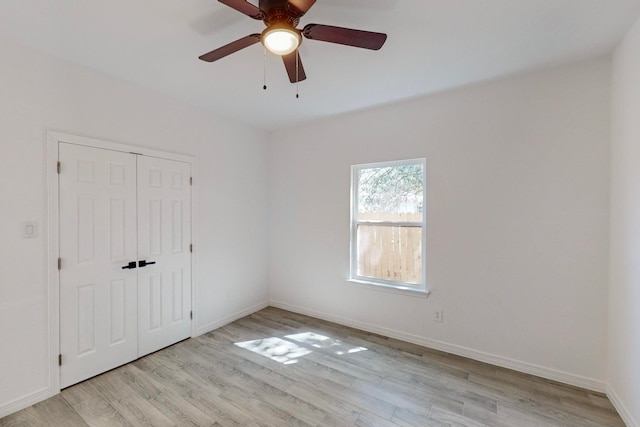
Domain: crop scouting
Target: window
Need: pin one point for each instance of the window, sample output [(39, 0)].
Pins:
[(388, 232)]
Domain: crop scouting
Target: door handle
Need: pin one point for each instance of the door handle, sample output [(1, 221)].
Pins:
[(132, 264), (144, 263)]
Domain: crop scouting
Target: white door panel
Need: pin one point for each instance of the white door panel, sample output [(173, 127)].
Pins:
[(98, 299), (164, 236)]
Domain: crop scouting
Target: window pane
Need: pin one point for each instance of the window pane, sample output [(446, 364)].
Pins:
[(390, 253), (386, 192)]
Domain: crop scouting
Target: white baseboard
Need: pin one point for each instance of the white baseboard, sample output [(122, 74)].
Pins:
[(228, 319), (25, 401), (504, 362), (621, 408)]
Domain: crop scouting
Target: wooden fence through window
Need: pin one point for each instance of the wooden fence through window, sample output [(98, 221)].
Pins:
[(390, 252)]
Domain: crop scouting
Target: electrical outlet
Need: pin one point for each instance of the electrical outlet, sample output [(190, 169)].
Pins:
[(228, 293), (438, 315)]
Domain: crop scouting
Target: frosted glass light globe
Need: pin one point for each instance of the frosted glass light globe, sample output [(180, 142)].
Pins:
[(281, 41)]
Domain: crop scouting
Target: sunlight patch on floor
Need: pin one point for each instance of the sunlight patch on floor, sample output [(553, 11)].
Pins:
[(276, 349), (321, 341), (287, 352)]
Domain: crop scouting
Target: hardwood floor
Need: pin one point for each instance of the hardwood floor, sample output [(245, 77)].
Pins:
[(277, 368)]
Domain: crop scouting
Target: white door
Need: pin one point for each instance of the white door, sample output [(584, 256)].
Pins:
[(98, 299), (164, 239), (125, 281)]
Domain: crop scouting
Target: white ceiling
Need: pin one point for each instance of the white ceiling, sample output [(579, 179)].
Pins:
[(433, 45)]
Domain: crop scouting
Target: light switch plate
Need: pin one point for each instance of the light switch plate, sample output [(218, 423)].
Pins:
[(29, 230)]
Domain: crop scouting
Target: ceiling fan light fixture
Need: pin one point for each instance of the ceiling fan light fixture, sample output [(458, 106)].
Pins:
[(281, 40)]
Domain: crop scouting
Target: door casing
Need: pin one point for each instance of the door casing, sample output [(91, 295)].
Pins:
[(53, 234)]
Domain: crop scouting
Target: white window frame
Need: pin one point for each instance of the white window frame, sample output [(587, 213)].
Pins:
[(391, 284)]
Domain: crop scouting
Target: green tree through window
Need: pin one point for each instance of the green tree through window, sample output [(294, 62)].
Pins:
[(391, 189)]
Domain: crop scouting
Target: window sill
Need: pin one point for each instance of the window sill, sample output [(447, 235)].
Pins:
[(395, 289)]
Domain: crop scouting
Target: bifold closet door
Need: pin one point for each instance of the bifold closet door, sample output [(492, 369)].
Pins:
[(164, 238), (98, 298)]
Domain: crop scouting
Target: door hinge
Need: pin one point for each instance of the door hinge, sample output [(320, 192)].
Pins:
[(59, 360), (59, 167), (191, 248), (191, 314), (59, 263), (190, 180)]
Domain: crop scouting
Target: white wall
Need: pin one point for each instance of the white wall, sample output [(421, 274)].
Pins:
[(517, 235), (624, 320), (40, 93)]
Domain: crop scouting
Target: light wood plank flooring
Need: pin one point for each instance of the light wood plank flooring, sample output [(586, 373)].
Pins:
[(277, 368)]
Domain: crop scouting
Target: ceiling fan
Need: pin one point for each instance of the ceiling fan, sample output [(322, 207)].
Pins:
[(283, 38)]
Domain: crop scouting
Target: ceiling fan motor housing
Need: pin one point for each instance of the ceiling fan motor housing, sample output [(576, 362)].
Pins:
[(279, 12)]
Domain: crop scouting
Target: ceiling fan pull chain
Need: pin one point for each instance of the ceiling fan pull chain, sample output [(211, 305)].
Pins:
[(264, 71), (297, 76)]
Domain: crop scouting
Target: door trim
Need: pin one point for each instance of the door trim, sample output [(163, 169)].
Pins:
[(53, 233)]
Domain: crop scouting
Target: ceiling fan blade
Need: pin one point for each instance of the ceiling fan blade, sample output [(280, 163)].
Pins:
[(230, 48), (290, 64), (245, 7), (301, 6), (345, 36)]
